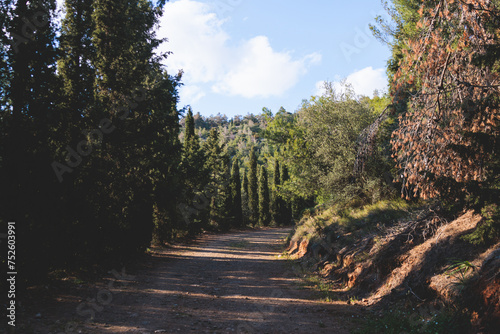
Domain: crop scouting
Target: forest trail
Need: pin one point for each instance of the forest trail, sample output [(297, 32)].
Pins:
[(225, 283)]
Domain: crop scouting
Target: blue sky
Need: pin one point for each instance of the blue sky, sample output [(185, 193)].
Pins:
[(239, 56)]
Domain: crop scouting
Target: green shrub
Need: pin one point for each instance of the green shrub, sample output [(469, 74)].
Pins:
[(488, 230)]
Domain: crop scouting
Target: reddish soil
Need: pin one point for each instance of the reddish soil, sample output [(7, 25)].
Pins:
[(228, 283)]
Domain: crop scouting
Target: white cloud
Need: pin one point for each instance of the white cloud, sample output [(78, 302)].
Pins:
[(196, 37), (203, 49), (364, 82), (260, 71), (192, 93)]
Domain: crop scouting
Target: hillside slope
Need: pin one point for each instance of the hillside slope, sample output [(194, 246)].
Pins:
[(404, 256)]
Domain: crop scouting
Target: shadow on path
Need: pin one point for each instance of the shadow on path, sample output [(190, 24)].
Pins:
[(228, 283)]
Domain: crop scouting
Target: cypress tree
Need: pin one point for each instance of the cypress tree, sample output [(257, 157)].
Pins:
[(277, 205), (193, 160), (245, 183), (165, 152), (29, 135), (286, 209), (4, 54), (218, 187), (125, 64), (225, 193), (77, 53), (264, 213), (253, 196), (189, 135), (212, 166), (244, 198), (236, 203), (77, 73)]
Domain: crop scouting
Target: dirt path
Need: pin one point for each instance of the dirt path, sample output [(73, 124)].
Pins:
[(229, 283)]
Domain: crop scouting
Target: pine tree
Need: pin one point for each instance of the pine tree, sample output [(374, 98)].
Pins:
[(236, 202), (253, 197), (264, 213), (447, 141)]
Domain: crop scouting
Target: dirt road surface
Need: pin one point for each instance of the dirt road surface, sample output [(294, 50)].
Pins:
[(225, 283)]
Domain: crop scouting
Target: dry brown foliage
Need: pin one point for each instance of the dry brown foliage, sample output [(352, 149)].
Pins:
[(455, 114)]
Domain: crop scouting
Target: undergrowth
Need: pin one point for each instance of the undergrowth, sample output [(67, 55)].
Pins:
[(345, 220), (489, 230), (412, 321), (360, 230)]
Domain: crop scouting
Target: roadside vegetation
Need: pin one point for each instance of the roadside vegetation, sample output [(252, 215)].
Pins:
[(394, 199)]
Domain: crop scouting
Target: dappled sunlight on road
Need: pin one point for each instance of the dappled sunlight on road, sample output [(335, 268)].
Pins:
[(224, 284)]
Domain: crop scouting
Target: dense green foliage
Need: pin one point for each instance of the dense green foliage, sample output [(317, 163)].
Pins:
[(264, 200), (94, 147), (82, 186), (236, 202), (320, 143), (253, 196)]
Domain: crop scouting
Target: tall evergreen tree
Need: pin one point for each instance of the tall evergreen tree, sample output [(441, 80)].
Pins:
[(125, 67), (212, 166), (77, 55), (264, 213), (253, 196), (226, 219), (165, 149), (218, 189), (244, 198), (245, 182), (194, 178), (107, 181), (286, 208), (28, 130), (236, 202), (193, 161), (277, 203), (4, 52), (77, 74), (190, 133)]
